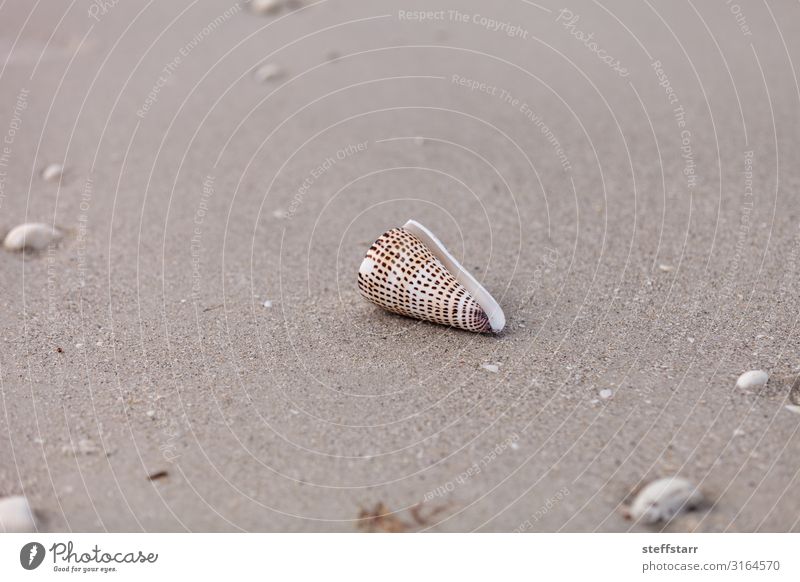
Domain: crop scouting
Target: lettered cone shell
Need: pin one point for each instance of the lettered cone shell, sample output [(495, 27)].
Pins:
[(410, 272)]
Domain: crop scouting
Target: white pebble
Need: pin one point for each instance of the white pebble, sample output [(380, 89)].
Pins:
[(267, 303), (793, 408), (666, 268), (606, 393), (87, 447), (663, 499), (267, 72), (752, 379), (265, 6), (151, 414), (52, 172), (32, 236), (493, 368), (16, 515)]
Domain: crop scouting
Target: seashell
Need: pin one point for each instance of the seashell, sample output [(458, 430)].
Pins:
[(268, 72), (410, 272), (752, 379), (16, 515), (265, 6), (52, 172), (663, 499), (32, 236)]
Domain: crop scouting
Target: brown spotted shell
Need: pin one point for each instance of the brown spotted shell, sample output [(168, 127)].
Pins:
[(402, 275)]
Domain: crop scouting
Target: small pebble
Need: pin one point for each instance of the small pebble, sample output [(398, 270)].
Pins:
[(53, 172), (267, 72), (663, 499), (666, 268), (493, 368), (606, 393), (157, 475), (752, 379), (267, 303), (793, 408), (151, 414), (16, 515), (87, 447), (263, 7), (738, 432), (794, 393), (31, 236)]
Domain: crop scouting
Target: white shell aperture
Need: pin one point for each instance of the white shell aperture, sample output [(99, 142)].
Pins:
[(410, 272)]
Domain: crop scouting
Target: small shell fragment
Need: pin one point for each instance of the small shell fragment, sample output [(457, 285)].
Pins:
[(265, 6), (52, 172), (606, 393), (409, 271), (268, 72), (663, 499), (752, 379), (16, 515), (32, 236), (493, 368), (793, 408)]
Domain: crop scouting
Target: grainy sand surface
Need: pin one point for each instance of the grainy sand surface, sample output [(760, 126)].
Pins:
[(639, 224)]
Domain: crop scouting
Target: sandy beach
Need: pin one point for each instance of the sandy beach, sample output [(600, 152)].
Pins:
[(194, 354)]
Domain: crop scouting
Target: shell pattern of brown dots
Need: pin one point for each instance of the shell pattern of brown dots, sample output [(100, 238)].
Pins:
[(401, 275)]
